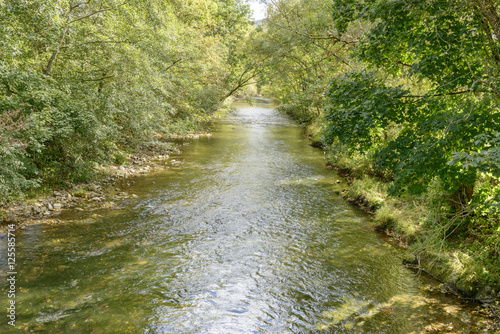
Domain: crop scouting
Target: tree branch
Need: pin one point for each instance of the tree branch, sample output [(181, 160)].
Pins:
[(94, 13), (173, 64), (69, 21), (93, 42), (241, 83), (442, 94), (99, 79)]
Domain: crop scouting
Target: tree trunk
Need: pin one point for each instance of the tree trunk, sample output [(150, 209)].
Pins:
[(462, 197), (57, 50), (488, 10)]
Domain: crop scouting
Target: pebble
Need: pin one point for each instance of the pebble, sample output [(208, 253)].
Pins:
[(108, 205)]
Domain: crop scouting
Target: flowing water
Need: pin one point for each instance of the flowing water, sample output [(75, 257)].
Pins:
[(248, 234)]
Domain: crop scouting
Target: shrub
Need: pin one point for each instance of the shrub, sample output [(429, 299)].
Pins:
[(14, 165)]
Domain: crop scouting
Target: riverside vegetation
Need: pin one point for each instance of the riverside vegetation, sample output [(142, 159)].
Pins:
[(402, 95), (88, 83)]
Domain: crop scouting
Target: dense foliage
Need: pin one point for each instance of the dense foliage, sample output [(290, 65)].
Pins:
[(81, 81), (442, 46), (300, 54), (412, 82), (409, 94)]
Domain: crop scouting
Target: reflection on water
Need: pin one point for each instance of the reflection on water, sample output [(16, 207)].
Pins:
[(246, 235)]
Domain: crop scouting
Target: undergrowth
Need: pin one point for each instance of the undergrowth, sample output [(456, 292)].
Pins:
[(459, 246)]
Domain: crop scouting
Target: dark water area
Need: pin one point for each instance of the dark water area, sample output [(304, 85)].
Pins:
[(248, 234)]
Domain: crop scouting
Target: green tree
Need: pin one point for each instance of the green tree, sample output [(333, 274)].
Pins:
[(442, 112), (300, 55), (93, 78)]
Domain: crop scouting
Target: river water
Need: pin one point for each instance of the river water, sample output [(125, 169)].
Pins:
[(248, 234)]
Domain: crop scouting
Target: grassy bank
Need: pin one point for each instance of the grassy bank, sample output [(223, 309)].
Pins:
[(458, 244), (459, 247)]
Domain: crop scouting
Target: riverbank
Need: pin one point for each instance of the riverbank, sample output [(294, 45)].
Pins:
[(416, 222), (444, 245), (452, 261), (107, 187)]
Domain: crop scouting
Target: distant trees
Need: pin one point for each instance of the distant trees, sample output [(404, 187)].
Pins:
[(300, 55)]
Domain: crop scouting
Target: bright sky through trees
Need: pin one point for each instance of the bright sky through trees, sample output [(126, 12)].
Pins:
[(258, 9)]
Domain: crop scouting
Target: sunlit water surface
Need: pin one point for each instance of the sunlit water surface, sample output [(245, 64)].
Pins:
[(247, 235)]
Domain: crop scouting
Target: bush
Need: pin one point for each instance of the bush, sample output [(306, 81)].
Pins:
[(15, 168)]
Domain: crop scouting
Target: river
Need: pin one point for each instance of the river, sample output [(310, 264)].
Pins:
[(246, 234)]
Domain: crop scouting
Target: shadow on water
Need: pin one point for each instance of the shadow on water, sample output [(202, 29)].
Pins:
[(246, 235)]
